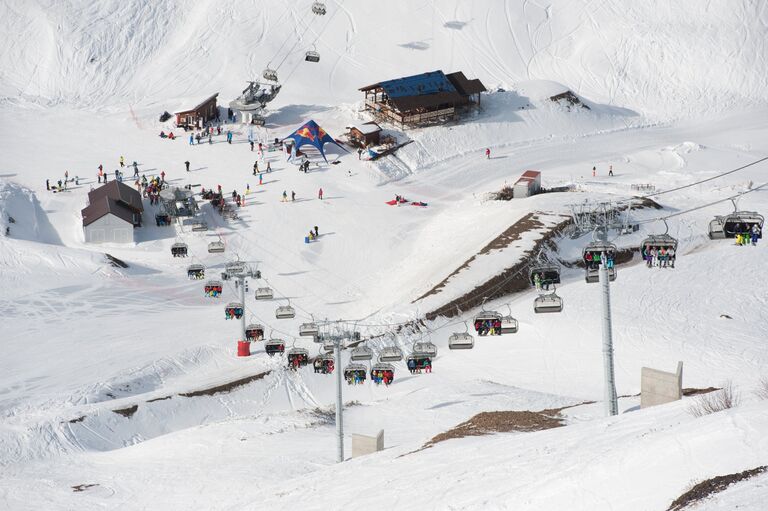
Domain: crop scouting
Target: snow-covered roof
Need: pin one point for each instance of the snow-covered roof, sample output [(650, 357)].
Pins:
[(367, 128)]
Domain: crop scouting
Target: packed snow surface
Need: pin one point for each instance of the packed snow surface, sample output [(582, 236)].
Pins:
[(103, 367)]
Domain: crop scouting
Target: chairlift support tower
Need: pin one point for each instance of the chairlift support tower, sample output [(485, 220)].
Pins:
[(611, 403)]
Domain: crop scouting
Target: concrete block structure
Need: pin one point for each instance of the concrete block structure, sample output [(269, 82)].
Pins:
[(659, 387), (364, 444)]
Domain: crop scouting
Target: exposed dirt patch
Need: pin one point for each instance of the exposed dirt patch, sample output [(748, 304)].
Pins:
[(711, 486), (511, 280), (485, 423), (227, 387), (695, 392), (159, 399), (82, 487), (127, 412)]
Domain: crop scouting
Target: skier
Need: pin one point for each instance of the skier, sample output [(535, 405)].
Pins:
[(255, 167), (162, 177), (594, 171), (48, 185), (293, 196), (77, 180), (59, 181), (488, 153), (317, 234), (186, 164), (191, 139), (247, 188), (135, 170), (210, 138), (285, 196), (251, 145), (260, 178), (229, 137), (269, 167), (610, 170), (359, 153), (320, 194), (66, 176), (122, 161)]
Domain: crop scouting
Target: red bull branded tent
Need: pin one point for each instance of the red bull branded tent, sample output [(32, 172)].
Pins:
[(312, 134)]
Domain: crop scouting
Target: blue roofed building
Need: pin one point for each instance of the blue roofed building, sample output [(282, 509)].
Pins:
[(426, 98)]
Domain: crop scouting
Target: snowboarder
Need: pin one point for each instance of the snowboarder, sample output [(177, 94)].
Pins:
[(610, 170), (122, 161), (317, 234), (48, 185), (285, 196), (488, 153), (229, 137), (186, 164), (293, 196), (320, 194)]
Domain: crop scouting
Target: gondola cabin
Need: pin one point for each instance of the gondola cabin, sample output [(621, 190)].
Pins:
[(254, 332), (308, 330), (179, 250), (274, 347), (739, 222), (488, 323), (382, 373), (548, 303), (285, 312), (264, 293), (593, 255), (391, 354), (213, 289), (361, 353), (196, 272), (355, 373), (426, 348), (298, 357), (509, 325), (233, 310), (546, 275), (461, 341), (215, 247)]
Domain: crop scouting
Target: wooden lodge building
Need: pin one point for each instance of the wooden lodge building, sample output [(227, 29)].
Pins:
[(198, 116), (427, 98)]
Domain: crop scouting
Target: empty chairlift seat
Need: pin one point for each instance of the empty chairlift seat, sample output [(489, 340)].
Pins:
[(196, 272), (199, 227), (234, 268), (361, 353), (215, 247), (355, 373), (391, 354), (274, 347), (233, 310), (509, 325), (264, 293), (548, 303), (593, 255), (461, 341), (308, 330), (285, 312), (312, 56), (254, 332), (179, 250), (425, 348)]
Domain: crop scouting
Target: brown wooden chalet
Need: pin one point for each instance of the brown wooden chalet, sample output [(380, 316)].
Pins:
[(198, 116), (423, 99)]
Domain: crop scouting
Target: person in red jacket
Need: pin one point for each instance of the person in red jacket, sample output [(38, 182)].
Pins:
[(488, 153)]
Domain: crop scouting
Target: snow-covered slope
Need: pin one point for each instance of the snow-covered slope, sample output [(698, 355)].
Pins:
[(676, 96)]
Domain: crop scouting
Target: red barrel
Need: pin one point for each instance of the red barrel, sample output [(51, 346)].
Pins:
[(243, 348)]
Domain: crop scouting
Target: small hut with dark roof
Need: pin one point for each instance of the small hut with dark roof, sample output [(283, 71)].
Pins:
[(199, 115), (426, 98), (113, 210)]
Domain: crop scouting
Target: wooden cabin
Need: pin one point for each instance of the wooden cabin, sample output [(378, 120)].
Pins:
[(364, 135), (428, 98), (196, 118)]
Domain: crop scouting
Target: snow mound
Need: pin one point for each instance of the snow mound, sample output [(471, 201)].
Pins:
[(23, 215)]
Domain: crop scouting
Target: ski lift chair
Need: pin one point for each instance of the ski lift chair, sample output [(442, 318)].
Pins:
[(509, 325), (382, 368), (196, 272), (318, 8), (549, 302), (485, 318), (285, 312), (549, 274), (425, 348), (299, 354), (391, 354), (254, 332), (213, 288), (264, 293), (361, 353), (355, 370), (328, 363), (308, 330), (420, 361), (269, 74), (233, 310), (234, 268), (162, 219), (215, 247), (274, 347), (461, 341), (328, 345), (312, 56), (593, 254), (742, 221), (179, 250), (199, 227)]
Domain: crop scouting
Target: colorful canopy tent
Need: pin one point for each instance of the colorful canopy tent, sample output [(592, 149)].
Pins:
[(312, 134)]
